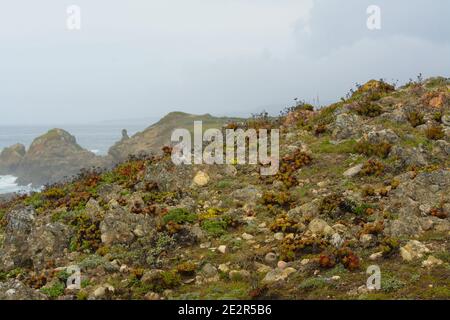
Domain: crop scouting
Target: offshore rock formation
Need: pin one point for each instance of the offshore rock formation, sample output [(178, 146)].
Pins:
[(51, 158), (10, 158)]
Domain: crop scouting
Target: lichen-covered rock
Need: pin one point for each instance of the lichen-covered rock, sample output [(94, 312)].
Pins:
[(47, 243), (398, 115), (380, 136), (432, 262), (321, 227), (408, 157), (307, 210), (15, 251), (239, 275), (168, 176), (16, 290), (441, 149), (119, 225), (446, 120), (426, 190), (249, 194), (277, 275), (346, 126), (413, 250)]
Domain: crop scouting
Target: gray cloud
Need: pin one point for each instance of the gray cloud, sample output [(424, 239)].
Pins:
[(145, 58), (335, 24)]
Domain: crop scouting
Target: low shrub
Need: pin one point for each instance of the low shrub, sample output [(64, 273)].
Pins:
[(380, 150), (372, 167), (415, 118), (434, 133), (179, 216), (369, 109)]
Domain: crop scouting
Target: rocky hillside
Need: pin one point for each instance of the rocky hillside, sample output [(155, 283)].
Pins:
[(151, 139), (51, 158), (362, 182)]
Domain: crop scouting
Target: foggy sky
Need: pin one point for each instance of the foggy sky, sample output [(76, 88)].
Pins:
[(144, 58)]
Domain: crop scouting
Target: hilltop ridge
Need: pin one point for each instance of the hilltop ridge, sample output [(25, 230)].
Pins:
[(157, 135)]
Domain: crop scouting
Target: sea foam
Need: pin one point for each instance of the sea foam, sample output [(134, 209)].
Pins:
[(8, 184)]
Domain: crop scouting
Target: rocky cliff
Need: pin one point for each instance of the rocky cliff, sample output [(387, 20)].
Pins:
[(363, 182)]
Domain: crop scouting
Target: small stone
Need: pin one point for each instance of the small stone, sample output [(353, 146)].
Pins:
[(424, 209), (10, 292), (277, 275), (336, 240), (247, 236), (335, 278), (282, 264), (167, 293), (152, 296), (223, 268), (116, 263), (412, 250), (362, 289), (278, 236), (446, 120), (426, 224), (222, 249), (238, 275), (304, 262), (323, 184), (205, 245), (376, 256), (431, 262), (230, 170), (366, 239), (73, 287), (100, 292), (262, 268), (151, 275), (209, 270), (201, 179), (270, 258), (339, 228), (353, 171), (289, 271), (123, 268), (138, 231), (319, 226)]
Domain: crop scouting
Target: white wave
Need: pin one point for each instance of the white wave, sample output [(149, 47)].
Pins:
[(95, 151), (8, 184)]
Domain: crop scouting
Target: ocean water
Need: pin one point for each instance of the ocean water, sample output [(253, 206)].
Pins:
[(97, 138)]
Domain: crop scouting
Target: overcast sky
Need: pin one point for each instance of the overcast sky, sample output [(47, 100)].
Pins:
[(144, 58)]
